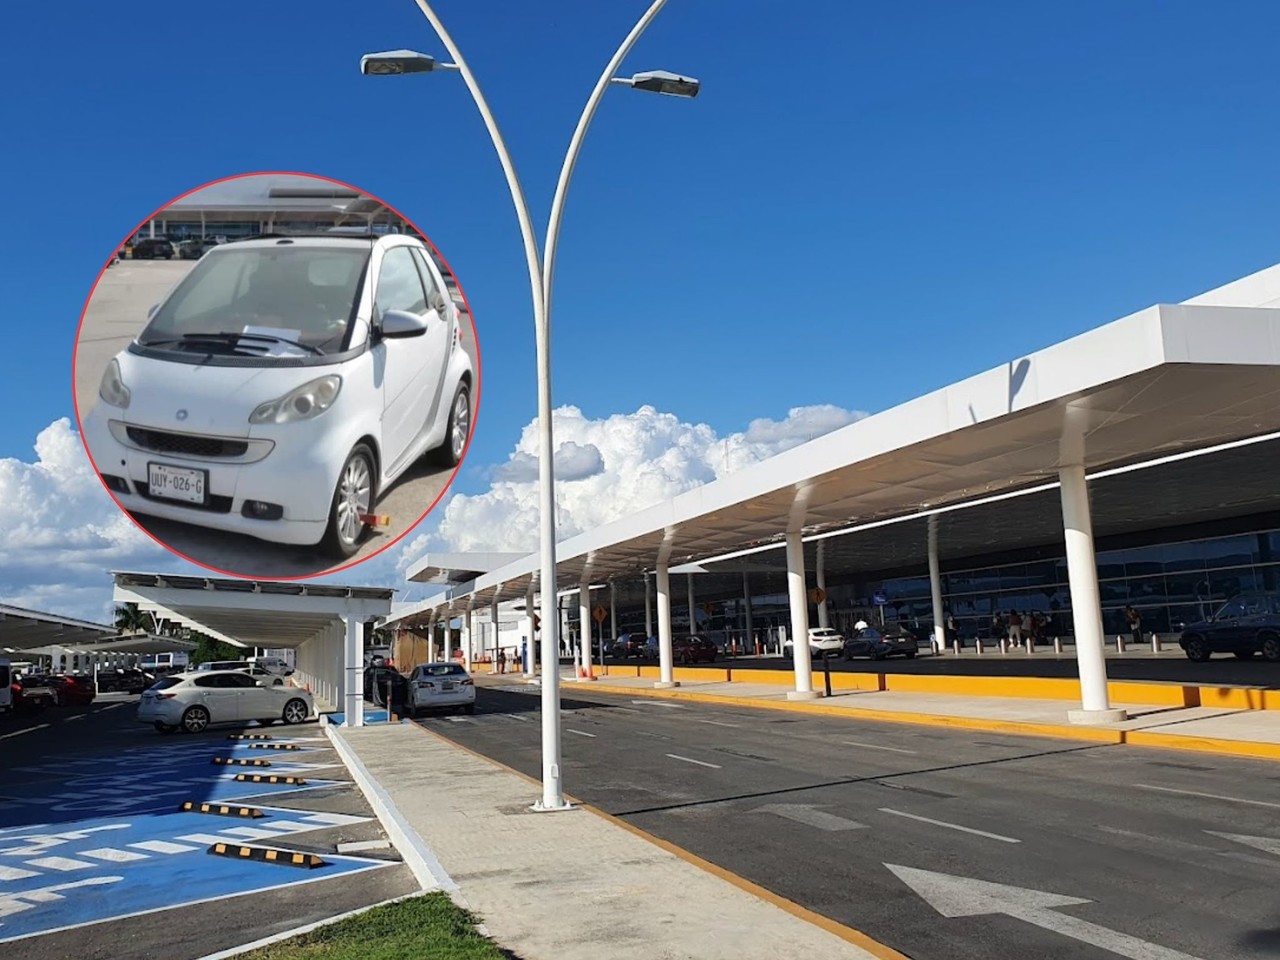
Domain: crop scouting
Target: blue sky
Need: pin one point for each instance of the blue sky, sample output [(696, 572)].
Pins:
[(867, 201)]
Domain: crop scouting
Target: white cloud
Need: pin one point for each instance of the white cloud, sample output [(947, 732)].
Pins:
[(609, 468), (61, 531)]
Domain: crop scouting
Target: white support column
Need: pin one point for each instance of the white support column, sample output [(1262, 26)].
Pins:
[(799, 620), (648, 607), (822, 583), (693, 616), (530, 612), (584, 629), (493, 621), (468, 637), (353, 684), (750, 625), (1086, 605), (665, 672), (935, 588), (448, 640)]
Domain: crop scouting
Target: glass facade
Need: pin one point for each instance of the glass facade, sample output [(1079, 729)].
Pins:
[(1169, 583)]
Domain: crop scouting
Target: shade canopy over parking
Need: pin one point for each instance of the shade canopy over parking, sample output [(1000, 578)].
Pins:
[(146, 643), (311, 618), (22, 629)]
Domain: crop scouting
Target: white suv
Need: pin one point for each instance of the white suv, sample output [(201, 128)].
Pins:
[(283, 385), (823, 642)]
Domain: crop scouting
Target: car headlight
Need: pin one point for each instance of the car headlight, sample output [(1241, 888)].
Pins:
[(301, 403), (112, 389)]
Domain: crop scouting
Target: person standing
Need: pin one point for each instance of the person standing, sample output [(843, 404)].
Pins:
[(1134, 619), (502, 659), (1015, 627)]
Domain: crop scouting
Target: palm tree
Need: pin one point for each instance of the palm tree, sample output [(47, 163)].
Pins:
[(129, 619)]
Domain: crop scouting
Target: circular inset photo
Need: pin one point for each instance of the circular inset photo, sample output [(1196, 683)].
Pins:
[(277, 376)]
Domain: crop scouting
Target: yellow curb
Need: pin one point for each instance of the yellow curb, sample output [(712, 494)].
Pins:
[(1236, 748), (878, 950)]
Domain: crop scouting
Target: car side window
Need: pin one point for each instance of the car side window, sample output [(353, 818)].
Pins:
[(240, 680), (428, 278), (399, 284), (1233, 609), (209, 681)]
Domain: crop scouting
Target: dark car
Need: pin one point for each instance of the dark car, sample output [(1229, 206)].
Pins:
[(879, 644), (630, 645), (1244, 625), (32, 693), (152, 248), (693, 650), (195, 248), (377, 681), (73, 689), (123, 680)]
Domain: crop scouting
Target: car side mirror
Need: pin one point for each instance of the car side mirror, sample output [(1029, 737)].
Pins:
[(401, 324)]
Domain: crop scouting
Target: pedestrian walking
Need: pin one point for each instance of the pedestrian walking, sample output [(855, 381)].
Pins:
[(502, 659), (1015, 627), (1134, 619)]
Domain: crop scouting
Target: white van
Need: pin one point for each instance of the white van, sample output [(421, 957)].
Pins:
[(6, 694), (273, 665)]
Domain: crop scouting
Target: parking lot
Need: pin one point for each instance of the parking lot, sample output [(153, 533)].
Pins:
[(115, 315), (99, 858)]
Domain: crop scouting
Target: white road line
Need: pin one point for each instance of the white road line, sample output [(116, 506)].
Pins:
[(203, 838), (161, 846), (78, 716), (112, 855), (658, 703), (18, 733), (875, 746), (58, 863), (1208, 796), (16, 873), (581, 733), (701, 763), (251, 833), (950, 826), (718, 723), (516, 717)]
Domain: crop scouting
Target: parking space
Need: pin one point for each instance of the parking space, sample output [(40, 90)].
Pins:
[(116, 841)]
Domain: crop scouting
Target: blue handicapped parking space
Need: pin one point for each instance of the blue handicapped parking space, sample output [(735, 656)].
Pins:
[(105, 839)]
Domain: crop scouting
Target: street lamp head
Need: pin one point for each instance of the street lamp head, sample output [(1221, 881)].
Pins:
[(397, 61), (665, 82)]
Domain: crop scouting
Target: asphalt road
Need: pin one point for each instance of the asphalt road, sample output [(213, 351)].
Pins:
[(114, 316), (81, 778), (1110, 851), (1171, 667)]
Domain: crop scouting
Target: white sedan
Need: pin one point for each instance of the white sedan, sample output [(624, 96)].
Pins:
[(191, 701), (438, 685), (283, 385), (823, 642)]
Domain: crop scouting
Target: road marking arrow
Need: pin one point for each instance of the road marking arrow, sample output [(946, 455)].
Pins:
[(1269, 844), (967, 897), (811, 816)]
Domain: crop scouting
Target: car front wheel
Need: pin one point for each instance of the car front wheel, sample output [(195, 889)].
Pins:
[(352, 501), (1196, 649), (295, 711), (195, 720), (1271, 647)]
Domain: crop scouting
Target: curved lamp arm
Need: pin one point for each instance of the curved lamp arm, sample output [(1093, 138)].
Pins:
[(575, 145)]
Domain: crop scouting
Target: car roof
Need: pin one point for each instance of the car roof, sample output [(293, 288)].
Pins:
[(339, 241)]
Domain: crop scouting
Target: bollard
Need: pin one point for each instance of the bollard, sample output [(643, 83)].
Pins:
[(826, 672), (1057, 645), (957, 648), (1119, 643), (1030, 645), (977, 646), (1155, 643), (1004, 645)]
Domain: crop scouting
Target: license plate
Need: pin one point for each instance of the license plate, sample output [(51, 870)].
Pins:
[(448, 686), (177, 483)]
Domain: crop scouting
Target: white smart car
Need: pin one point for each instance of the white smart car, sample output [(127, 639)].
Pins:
[(282, 385), (439, 685), (192, 701)]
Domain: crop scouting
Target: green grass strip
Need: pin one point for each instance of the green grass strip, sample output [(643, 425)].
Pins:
[(430, 927)]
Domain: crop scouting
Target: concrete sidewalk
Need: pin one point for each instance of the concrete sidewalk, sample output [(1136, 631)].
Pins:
[(1247, 733), (577, 885)]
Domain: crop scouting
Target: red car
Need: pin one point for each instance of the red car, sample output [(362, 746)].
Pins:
[(693, 650), (73, 689)]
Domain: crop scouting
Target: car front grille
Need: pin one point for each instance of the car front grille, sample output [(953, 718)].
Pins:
[(185, 443)]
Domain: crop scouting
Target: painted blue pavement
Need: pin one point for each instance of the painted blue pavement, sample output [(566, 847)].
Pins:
[(88, 840), (370, 716)]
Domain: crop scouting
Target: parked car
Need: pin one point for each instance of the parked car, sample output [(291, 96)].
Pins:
[(123, 680), (73, 689), (823, 642), (32, 693), (6, 689), (1244, 625), (152, 248), (283, 385), (192, 701), (438, 685), (261, 673), (630, 645), (879, 644), (223, 665), (273, 664), (692, 649), (377, 680)]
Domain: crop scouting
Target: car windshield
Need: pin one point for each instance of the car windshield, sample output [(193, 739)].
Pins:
[(277, 301)]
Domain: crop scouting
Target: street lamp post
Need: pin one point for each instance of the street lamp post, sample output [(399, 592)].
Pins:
[(407, 61)]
